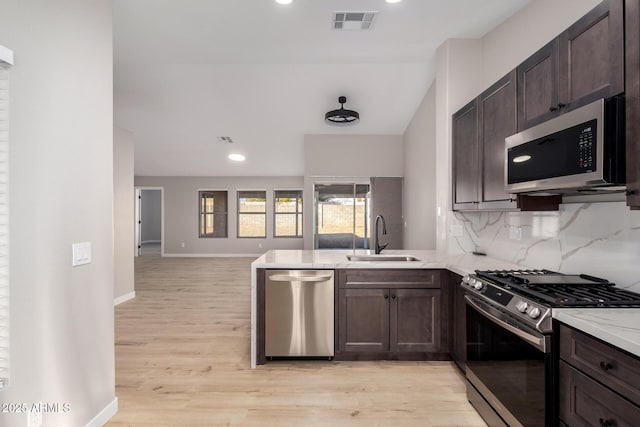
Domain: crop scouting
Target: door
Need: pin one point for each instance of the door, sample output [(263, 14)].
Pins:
[(364, 320), (465, 156), (415, 320), (497, 121), (538, 86), (342, 216), (592, 56)]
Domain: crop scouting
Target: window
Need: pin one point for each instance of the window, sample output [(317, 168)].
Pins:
[(213, 213), (288, 213), (252, 214), (342, 216)]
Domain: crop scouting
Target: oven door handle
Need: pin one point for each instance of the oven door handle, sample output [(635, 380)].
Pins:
[(538, 342)]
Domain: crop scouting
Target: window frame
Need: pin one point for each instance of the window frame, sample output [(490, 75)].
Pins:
[(296, 213), (239, 213), (225, 213)]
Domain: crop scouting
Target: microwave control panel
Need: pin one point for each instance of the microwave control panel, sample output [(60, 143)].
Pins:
[(586, 153)]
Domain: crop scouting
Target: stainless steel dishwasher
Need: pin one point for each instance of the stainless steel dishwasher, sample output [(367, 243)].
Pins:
[(299, 313)]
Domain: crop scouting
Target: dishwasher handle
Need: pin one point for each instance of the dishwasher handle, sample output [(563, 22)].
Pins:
[(289, 278)]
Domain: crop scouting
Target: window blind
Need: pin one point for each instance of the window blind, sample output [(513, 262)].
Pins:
[(4, 224)]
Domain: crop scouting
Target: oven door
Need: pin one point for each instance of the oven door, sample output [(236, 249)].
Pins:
[(509, 368)]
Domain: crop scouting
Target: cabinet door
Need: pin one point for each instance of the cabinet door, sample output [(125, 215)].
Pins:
[(632, 97), (591, 61), (363, 320), (538, 86), (496, 121), (586, 403), (415, 320), (465, 156)]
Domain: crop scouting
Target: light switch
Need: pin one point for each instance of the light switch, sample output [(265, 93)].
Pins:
[(81, 253)]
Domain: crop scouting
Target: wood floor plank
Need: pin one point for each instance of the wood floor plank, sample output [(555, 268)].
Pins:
[(183, 359)]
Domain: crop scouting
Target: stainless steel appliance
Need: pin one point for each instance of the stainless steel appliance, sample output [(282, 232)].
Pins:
[(299, 313), (581, 149), (510, 351)]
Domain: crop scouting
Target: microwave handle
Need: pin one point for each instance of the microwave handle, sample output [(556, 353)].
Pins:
[(538, 342)]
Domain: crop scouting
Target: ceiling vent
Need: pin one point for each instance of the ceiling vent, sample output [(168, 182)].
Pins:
[(354, 21), (225, 139)]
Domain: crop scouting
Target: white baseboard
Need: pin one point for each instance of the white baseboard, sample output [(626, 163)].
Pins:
[(105, 415), (125, 297), (212, 255)]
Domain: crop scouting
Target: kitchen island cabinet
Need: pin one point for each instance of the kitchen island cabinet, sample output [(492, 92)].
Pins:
[(391, 314)]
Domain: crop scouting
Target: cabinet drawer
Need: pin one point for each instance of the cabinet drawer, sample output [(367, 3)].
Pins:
[(386, 278), (606, 364), (584, 402)]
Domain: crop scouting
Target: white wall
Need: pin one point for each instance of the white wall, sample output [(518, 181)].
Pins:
[(61, 185), (347, 159), (123, 208), (150, 214), (420, 176), (181, 214)]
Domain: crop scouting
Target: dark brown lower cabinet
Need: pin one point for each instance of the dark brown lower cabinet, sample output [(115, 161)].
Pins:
[(598, 383), (391, 314)]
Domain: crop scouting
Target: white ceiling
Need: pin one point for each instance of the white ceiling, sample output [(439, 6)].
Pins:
[(187, 71)]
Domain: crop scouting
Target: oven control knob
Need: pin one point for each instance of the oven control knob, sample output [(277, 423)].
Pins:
[(477, 285), (522, 306), (466, 279), (534, 312)]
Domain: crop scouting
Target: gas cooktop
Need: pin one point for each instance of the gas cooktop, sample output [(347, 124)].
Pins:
[(561, 290)]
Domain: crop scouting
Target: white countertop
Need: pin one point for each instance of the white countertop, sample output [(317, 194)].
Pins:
[(619, 327)]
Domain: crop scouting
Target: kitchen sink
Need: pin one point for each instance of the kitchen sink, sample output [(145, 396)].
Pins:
[(396, 258)]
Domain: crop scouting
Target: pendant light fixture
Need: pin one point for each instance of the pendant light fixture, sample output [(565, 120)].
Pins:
[(342, 116)]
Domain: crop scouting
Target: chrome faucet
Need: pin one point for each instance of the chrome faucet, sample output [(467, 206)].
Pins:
[(376, 243)]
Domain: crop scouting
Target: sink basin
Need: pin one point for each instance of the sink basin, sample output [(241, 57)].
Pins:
[(396, 258)]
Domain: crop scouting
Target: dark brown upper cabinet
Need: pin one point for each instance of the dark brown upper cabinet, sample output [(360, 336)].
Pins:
[(583, 64), (632, 96), (479, 131), (465, 157)]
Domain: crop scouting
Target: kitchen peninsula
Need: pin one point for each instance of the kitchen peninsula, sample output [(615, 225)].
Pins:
[(460, 265)]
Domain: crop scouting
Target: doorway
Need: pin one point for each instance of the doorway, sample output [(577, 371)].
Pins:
[(149, 221), (342, 216)]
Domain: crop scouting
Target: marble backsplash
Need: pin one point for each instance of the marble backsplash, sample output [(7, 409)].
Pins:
[(599, 239)]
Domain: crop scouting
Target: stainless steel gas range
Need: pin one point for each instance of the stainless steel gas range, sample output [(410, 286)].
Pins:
[(511, 375)]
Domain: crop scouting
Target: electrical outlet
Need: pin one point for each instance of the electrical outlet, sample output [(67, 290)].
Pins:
[(182, 244), (515, 233), (34, 418), (259, 245), (456, 230)]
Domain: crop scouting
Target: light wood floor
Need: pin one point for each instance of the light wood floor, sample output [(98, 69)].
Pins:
[(182, 359)]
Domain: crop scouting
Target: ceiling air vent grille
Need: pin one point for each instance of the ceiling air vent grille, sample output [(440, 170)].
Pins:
[(225, 139), (354, 21)]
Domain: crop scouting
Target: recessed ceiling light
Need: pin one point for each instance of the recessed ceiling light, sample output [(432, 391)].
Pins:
[(394, 1), (284, 1), (236, 157)]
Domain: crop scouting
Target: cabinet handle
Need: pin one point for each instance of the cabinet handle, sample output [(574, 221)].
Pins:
[(393, 297), (386, 297), (605, 366), (607, 423)]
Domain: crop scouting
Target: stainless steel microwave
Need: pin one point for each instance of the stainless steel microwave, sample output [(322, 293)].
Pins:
[(581, 149)]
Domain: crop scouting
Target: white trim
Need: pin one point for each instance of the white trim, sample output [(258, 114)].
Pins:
[(105, 415), (213, 255), (6, 55), (124, 298), (150, 241)]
